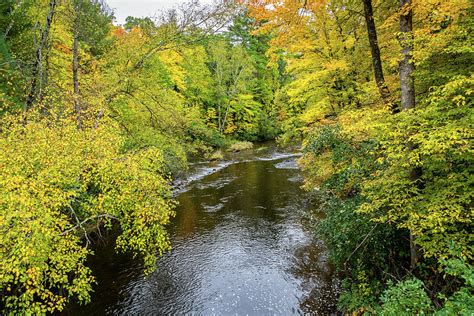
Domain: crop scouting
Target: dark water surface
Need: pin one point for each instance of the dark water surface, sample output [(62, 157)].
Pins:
[(240, 246)]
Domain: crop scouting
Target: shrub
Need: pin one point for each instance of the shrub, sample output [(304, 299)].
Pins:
[(239, 146), (406, 298)]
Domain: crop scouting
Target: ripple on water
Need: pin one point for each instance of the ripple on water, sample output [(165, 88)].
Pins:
[(213, 208), (287, 164), (217, 184), (239, 247)]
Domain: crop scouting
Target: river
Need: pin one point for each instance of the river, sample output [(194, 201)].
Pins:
[(240, 246)]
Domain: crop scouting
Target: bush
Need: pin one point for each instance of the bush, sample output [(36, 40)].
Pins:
[(217, 155), (239, 146), (406, 298)]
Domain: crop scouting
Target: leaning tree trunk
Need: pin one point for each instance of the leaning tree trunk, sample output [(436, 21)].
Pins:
[(38, 64), (407, 84), (375, 51)]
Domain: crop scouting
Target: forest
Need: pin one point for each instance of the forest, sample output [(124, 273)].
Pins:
[(97, 119)]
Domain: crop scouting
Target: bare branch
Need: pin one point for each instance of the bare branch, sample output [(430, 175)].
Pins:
[(81, 224)]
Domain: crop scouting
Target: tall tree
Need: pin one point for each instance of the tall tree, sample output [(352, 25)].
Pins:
[(407, 85), (39, 72), (375, 50), (75, 61), (233, 70), (406, 66), (90, 26)]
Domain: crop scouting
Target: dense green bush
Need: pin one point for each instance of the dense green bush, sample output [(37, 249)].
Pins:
[(405, 298)]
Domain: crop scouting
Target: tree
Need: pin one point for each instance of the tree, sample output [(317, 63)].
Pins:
[(39, 72), (395, 183), (75, 61), (407, 66), (375, 51), (143, 23), (407, 85), (60, 185), (90, 26), (233, 70), (267, 75)]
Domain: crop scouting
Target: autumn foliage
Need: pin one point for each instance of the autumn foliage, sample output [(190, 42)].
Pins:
[(394, 180), (96, 119)]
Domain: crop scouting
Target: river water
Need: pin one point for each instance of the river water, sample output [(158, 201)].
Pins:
[(240, 246)]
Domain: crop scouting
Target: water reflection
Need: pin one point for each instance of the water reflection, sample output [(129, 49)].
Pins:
[(239, 247)]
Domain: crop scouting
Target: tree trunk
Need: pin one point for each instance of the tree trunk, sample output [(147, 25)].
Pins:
[(38, 64), (12, 22), (75, 68), (225, 117), (219, 116), (75, 78), (375, 51), (44, 78), (407, 84), (406, 66)]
